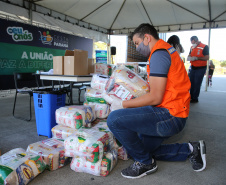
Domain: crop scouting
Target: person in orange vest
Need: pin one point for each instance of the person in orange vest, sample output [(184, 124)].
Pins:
[(198, 56), (142, 124), (174, 41)]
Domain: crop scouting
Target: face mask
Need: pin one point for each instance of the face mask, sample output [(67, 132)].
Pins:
[(143, 50), (194, 45)]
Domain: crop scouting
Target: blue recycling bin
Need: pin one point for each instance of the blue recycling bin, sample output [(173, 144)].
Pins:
[(46, 101)]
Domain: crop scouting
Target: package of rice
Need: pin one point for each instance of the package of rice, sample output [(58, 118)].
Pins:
[(129, 80), (20, 167), (89, 143), (75, 116), (94, 95), (99, 81), (52, 151), (81, 164), (101, 168), (62, 132), (104, 69)]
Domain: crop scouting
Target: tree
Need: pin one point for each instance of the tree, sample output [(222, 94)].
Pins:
[(223, 64)]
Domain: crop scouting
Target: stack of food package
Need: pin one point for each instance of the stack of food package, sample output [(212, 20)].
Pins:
[(20, 167), (52, 151), (92, 150), (83, 137)]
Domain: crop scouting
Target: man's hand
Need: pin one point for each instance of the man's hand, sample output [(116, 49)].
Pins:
[(193, 58), (117, 104)]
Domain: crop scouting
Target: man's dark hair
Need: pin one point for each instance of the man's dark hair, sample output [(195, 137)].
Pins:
[(195, 38), (145, 29)]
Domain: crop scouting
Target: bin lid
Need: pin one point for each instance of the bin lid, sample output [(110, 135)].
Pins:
[(50, 91)]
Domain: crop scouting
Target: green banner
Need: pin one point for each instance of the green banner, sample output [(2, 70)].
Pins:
[(21, 58)]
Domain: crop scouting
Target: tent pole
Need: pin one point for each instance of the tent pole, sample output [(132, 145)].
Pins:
[(207, 67), (109, 50)]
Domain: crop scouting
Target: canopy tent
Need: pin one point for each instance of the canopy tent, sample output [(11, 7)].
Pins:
[(97, 19), (122, 16)]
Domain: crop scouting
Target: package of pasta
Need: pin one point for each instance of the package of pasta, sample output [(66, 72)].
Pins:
[(122, 152), (133, 66), (62, 132), (89, 143), (101, 110), (122, 76), (20, 167), (52, 151), (75, 116), (108, 162), (104, 69), (99, 81)]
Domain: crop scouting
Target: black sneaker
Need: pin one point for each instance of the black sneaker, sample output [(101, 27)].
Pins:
[(194, 101), (138, 170), (198, 156)]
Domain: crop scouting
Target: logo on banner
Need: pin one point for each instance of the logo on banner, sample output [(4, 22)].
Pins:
[(46, 38), (18, 34), (60, 41)]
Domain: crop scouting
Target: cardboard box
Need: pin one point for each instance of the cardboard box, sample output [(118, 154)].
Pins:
[(90, 65), (76, 62), (58, 65)]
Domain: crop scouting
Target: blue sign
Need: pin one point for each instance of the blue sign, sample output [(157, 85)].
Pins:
[(101, 56)]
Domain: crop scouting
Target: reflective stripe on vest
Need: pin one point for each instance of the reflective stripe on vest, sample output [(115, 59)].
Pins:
[(176, 97)]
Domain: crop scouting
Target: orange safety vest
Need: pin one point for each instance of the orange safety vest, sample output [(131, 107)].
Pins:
[(176, 97), (197, 52)]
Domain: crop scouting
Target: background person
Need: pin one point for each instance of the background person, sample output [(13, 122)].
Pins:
[(211, 70), (198, 56), (175, 42), (143, 123)]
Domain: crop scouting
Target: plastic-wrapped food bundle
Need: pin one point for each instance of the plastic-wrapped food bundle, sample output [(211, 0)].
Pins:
[(129, 80), (102, 167), (94, 95), (80, 164), (52, 151), (104, 69), (62, 132), (75, 116), (99, 81), (133, 66), (89, 143), (20, 167), (101, 110)]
